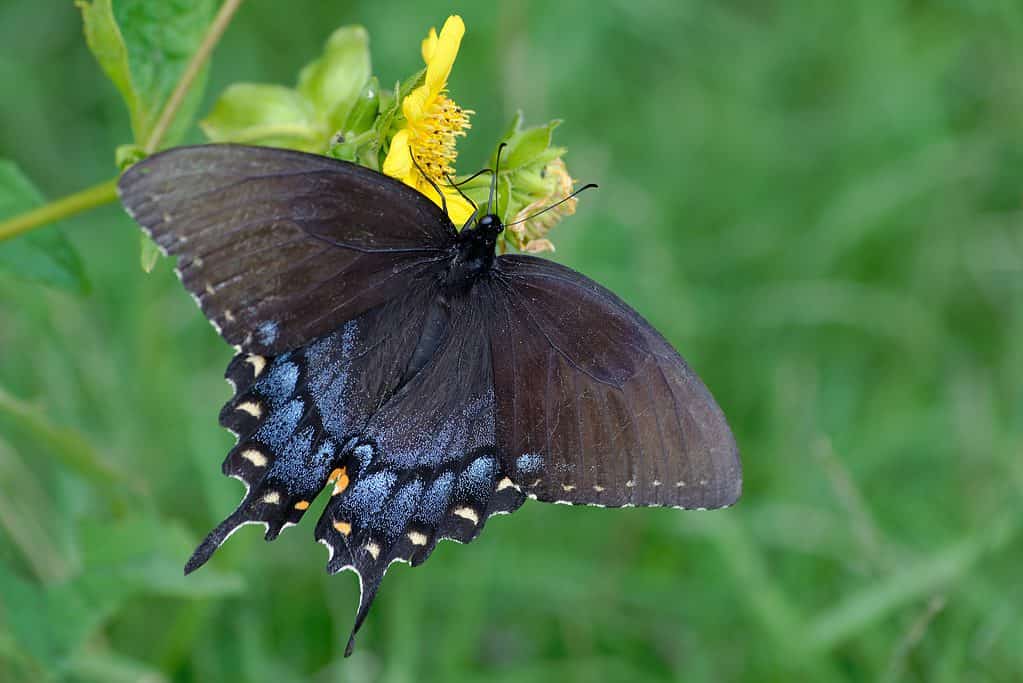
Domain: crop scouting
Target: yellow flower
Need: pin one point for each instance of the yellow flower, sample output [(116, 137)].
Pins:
[(432, 122)]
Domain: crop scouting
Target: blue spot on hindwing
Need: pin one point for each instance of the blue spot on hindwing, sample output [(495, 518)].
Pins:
[(363, 456), (435, 501), (331, 384), (477, 480), (278, 385), (280, 424), (529, 463), (397, 514), (367, 496)]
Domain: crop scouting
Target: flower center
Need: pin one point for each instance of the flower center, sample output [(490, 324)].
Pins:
[(433, 142)]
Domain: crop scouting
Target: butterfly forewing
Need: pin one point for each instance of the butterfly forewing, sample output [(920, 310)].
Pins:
[(280, 247), (593, 405)]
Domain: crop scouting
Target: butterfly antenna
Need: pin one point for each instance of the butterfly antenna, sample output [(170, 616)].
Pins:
[(443, 199), (458, 189), (493, 179), (555, 204), (475, 209), (474, 176)]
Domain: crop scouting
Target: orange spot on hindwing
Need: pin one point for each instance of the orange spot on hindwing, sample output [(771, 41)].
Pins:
[(340, 479)]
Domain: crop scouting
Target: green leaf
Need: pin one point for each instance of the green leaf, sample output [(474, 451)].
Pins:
[(104, 39), (44, 255), (334, 94), (126, 155), (332, 83), (144, 47), (526, 146), (364, 110), (260, 114)]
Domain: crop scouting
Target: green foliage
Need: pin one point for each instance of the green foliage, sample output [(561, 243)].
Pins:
[(523, 177), (45, 255), (306, 117), (819, 204), (144, 48)]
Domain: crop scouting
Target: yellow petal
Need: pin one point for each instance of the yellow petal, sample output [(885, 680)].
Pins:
[(458, 208), (398, 163), (415, 104), (429, 45), (444, 52)]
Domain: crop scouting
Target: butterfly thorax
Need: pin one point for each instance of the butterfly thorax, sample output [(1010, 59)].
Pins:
[(474, 252)]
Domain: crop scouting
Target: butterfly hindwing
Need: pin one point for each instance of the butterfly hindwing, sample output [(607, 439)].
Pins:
[(426, 467), (297, 416), (280, 247), (394, 414), (593, 405)]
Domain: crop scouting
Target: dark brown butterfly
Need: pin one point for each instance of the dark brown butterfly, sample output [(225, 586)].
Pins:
[(427, 382)]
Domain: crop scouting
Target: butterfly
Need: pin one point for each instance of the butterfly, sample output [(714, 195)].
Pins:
[(424, 381)]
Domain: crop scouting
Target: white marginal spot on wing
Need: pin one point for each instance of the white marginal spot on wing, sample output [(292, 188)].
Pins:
[(598, 488), (680, 484), (531, 496), (417, 538), (272, 498), (228, 316), (373, 549), (568, 487), (251, 408), (562, 502), (656, 483), (257, 363), (209, 288), (467, 513), (507, 483), (330, 549), (630, 483), (255, 457)]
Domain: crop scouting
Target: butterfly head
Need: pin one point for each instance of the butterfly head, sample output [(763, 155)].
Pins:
[(490, 225)]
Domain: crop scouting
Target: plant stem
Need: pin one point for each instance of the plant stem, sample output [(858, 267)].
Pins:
[(88, 198), (199, 59)]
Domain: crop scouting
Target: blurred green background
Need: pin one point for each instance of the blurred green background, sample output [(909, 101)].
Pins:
[(818, 203)]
